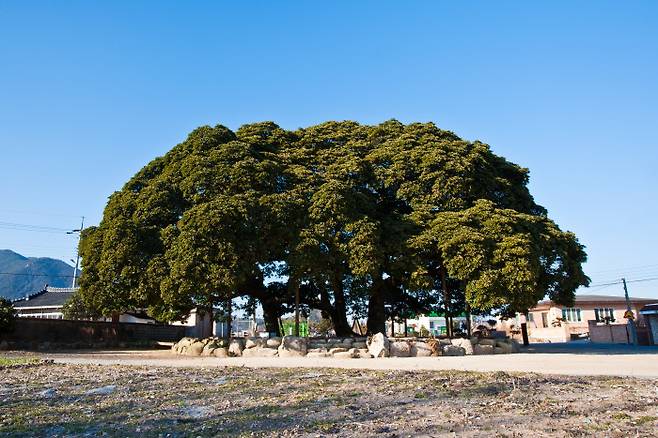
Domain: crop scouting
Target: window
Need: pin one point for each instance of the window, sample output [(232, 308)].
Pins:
[(571, 314), (531, 318), (604, 314)]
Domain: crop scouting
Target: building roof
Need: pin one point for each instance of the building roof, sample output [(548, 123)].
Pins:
[(650, 309), (49, 297), (600, 299)]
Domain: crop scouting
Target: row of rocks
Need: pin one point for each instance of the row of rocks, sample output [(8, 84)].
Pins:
[(450, 347), (345, 348)]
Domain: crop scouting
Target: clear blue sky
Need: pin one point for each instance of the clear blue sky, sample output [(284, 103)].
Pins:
[(91, 92)]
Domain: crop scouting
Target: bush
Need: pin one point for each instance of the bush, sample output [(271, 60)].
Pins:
[(7, 316), (76, 308)]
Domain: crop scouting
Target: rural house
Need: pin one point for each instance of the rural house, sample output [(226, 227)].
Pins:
[(551, 322), (46, 303)]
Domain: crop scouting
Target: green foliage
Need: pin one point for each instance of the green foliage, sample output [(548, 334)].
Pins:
[(382, 221), (7, 316), (76, 308)]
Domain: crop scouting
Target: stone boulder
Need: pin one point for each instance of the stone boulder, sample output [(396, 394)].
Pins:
[(346, 343), (318, 353), (399, 349), (220, 352), (195, 349), (292, 346), (378, 345), (335, 350), (315, 343), (420, 349), (236, 347), (486, 341), (260, 352), (254, 342), (349, 354), (363, 353), (273, 342), (483, 349), (453, 350), (465, 344)]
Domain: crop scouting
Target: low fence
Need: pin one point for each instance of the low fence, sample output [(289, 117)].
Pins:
[(60, 331), (608, 333), (617, 333), (549, 334)]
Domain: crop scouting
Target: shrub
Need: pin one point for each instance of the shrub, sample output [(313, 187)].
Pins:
[(7, 316)]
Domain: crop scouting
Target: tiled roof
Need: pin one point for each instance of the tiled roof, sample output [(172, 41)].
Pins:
[(601, 299), (49, 297)]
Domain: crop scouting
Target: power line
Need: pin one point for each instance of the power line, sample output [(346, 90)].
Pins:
[(20, 274), (35, 228), (640, 280)]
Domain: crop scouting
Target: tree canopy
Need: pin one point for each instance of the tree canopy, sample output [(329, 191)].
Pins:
[(377, 221)]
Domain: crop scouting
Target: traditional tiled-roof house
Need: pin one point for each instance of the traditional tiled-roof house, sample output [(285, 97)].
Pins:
[(46, 304)]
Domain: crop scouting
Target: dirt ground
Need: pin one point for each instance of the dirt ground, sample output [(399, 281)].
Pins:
[(574, 360), (90, 400)]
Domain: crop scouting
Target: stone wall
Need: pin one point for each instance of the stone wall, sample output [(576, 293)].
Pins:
[(33, 333), (343, 348)]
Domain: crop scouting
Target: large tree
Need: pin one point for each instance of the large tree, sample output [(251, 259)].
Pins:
[(382, 221)]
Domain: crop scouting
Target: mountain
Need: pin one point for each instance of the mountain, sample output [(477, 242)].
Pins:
[(21, 276)]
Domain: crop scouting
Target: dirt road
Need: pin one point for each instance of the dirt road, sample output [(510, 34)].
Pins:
[(642, 364)]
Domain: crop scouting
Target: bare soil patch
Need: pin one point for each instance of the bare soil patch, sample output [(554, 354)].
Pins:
[(89, 400)]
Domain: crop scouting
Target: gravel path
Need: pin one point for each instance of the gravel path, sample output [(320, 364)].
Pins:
[(574, 364)]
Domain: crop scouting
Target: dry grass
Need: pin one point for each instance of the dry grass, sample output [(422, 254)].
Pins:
[(53, 400)]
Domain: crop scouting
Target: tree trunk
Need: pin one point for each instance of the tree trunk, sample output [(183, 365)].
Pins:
[(339, 315), (211, 316), (270, 316), (229, 318), (446, 302), (376, 310), (294, 285)]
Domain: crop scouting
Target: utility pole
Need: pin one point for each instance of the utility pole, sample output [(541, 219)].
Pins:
[(631, 322), (77, 250)]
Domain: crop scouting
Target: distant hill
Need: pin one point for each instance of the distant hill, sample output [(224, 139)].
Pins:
[(21, 276)]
